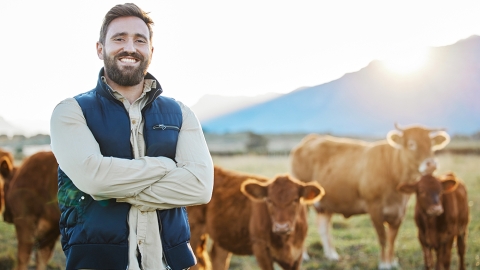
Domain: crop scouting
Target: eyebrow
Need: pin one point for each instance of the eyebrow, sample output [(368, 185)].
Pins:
[(126, 34)]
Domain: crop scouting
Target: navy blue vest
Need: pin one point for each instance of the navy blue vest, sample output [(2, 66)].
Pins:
[(95, 233)]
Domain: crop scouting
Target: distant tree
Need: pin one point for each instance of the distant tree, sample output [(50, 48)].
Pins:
[(460, 137), (4, 138), (38, 139), (256, 143), (18, 138)]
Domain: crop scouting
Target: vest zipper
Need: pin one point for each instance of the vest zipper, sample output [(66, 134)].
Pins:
[(163, 127)]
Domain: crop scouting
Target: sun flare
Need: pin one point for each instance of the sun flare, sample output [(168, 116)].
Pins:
[(406, 61)]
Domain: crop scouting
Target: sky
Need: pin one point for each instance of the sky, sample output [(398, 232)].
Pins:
[(231, 48)]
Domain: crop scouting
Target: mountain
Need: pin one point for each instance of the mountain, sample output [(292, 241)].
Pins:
[(443, 94), (8, 129), (211, 106)]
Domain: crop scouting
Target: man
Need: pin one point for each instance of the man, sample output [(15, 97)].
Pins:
[(129, 160)]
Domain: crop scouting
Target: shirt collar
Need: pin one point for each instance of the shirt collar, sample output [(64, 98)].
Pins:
[(148, 85)]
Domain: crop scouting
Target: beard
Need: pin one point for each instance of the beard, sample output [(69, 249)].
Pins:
[(128, 76)]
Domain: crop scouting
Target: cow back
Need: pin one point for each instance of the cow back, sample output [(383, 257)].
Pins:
[(463, 208), (343, 168), (317, 156), (455, 205), (33, 190), (229, 211)]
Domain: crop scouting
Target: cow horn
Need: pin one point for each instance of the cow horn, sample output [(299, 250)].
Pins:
[(398, 127)]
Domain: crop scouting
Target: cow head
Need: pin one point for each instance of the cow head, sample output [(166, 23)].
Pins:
[(417, 145), (429, 190), (285, 197), (6, 174)]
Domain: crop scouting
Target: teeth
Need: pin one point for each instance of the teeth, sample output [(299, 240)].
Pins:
[(128, 60)]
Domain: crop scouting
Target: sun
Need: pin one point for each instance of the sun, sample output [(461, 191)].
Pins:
[(406, 61)]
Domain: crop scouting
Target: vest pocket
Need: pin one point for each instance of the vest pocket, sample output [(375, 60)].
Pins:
[(161, 140), (166, 127)]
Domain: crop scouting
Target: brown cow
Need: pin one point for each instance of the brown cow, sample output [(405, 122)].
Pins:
[(31, 205), (441, 215), (7, 170), (361, 177), (252, 215)]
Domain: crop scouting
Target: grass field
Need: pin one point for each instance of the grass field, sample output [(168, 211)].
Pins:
[(355, 239)]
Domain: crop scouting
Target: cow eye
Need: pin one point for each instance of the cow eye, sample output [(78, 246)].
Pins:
[(412, 145)]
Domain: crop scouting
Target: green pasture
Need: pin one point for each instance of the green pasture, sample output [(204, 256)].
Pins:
[(354, 238)]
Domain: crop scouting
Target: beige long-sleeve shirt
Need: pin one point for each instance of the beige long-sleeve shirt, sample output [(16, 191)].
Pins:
[(147, 183)]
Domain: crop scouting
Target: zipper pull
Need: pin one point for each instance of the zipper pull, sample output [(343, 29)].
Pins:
[(161, 126)]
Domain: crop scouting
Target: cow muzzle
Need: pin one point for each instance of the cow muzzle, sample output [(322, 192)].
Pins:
[(435, 210), (282, 228), (428, 166)]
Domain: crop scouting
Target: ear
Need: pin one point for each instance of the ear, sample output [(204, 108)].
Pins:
[(439, 140), (448, 175), (254, 190), (407, 188), (6, 167), (99, 50), (151, 53), (311, 192), (395, 139), (449, 185)]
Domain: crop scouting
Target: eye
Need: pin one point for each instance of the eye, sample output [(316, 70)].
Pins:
[(412, 145), (141, 41)]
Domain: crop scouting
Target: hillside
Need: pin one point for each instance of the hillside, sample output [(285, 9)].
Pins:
[(7, 128), (444, 94), (211, 106)]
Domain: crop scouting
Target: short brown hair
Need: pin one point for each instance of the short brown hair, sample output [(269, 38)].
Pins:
[(125, 10)]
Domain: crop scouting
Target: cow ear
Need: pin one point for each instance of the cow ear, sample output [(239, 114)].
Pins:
[(254, 190), (439, 140), (6, 167), (311, 193), (408, 188), (448, 175), (451, 174), (395, 139), (449, 185)]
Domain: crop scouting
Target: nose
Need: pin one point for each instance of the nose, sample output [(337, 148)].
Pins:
[(428, 166), (129, 46), (281, 228), (435, 210)]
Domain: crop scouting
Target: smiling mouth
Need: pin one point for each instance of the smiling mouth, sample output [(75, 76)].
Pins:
[(128, 60)]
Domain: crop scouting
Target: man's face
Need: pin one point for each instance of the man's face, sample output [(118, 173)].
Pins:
[(127, 51)]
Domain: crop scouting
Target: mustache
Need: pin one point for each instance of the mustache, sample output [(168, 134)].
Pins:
[(131, 54)]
